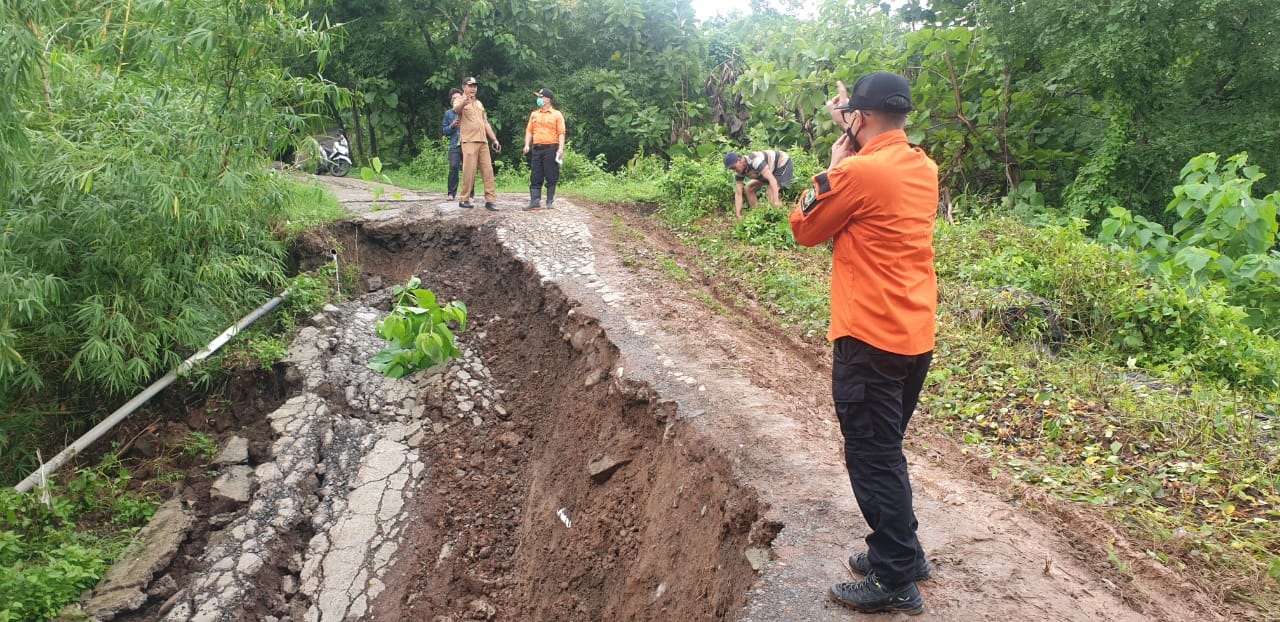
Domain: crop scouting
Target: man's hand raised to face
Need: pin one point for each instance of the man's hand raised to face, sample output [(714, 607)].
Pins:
[(841, 98)]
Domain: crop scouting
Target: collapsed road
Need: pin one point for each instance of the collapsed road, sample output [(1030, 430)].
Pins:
[(608, 447)]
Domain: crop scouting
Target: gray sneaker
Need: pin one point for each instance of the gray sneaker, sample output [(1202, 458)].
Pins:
[(861, 564), (871, 596)]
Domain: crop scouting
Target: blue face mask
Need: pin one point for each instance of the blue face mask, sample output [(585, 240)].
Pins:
[(541, 101)]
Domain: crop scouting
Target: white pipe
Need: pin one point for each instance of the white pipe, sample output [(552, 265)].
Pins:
[(337, 275), (124, 411)]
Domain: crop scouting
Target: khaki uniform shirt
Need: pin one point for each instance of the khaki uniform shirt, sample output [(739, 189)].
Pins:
[(471, 123)]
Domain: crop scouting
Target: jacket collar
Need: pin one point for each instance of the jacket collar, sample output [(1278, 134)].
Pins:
[(887, 139)]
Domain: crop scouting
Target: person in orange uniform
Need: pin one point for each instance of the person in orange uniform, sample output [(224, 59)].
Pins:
[(475, 136), (544, 136), (877, 202)]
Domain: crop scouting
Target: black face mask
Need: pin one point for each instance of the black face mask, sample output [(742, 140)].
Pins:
[(852, 140)]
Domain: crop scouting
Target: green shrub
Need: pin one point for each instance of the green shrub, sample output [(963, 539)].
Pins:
[(432, 162), (308, 293), (635, 183), (37, 589), (806, 166), (578, 167), (766, 226), (1224, 235), (506, 174), (45, 562), (1103, 298), (693, 189), (257, 349)]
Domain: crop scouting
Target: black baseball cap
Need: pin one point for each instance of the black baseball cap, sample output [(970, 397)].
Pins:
[(881, 90), (470, 81), (546, 93)]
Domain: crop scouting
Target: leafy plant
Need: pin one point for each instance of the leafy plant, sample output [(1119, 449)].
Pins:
[(46, 561), (309, 292), (1223, 235), (694, 188), (371, 174), (1140, 319), (419, 331), (260, 349), (636, 183)]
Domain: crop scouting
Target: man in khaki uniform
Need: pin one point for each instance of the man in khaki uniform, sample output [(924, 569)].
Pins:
[(475, 136)]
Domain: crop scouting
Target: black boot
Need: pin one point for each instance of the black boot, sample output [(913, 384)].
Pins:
[(871, 596)]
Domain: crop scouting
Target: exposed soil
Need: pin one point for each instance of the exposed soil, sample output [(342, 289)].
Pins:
[(511, 526), (651, 453)]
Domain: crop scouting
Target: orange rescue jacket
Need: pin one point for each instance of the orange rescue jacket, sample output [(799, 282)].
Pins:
[(879, 207)]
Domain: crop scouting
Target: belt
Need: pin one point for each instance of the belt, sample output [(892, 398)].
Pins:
[(544, 146)]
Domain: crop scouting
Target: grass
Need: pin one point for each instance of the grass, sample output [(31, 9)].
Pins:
[(615, 190), (310, 206), (200, 446)]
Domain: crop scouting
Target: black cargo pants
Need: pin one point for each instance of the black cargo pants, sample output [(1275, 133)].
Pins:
[(543, 168), (875, 394)]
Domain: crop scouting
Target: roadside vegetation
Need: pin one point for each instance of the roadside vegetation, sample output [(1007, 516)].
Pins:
[(45, 560), (140, 218)]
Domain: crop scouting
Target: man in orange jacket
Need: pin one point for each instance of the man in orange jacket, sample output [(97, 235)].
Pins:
[(877, 202)]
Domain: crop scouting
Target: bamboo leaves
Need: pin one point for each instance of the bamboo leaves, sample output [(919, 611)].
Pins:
[(136, 202)]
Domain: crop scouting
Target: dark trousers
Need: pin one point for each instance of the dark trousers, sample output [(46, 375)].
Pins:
[(543, 168), (875, 394), (455, 166)]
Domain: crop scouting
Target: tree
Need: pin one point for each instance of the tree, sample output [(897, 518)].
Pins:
[(1168, 79)]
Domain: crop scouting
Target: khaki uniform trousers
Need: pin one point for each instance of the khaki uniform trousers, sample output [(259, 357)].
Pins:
[(473, 154)]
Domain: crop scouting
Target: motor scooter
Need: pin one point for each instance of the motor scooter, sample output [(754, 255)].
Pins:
[(335, 159)]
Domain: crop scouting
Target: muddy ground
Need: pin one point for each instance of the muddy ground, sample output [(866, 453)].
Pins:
[(652, 457)]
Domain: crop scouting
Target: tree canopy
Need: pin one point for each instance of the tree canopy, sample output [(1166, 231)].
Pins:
[(1078, 107)]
